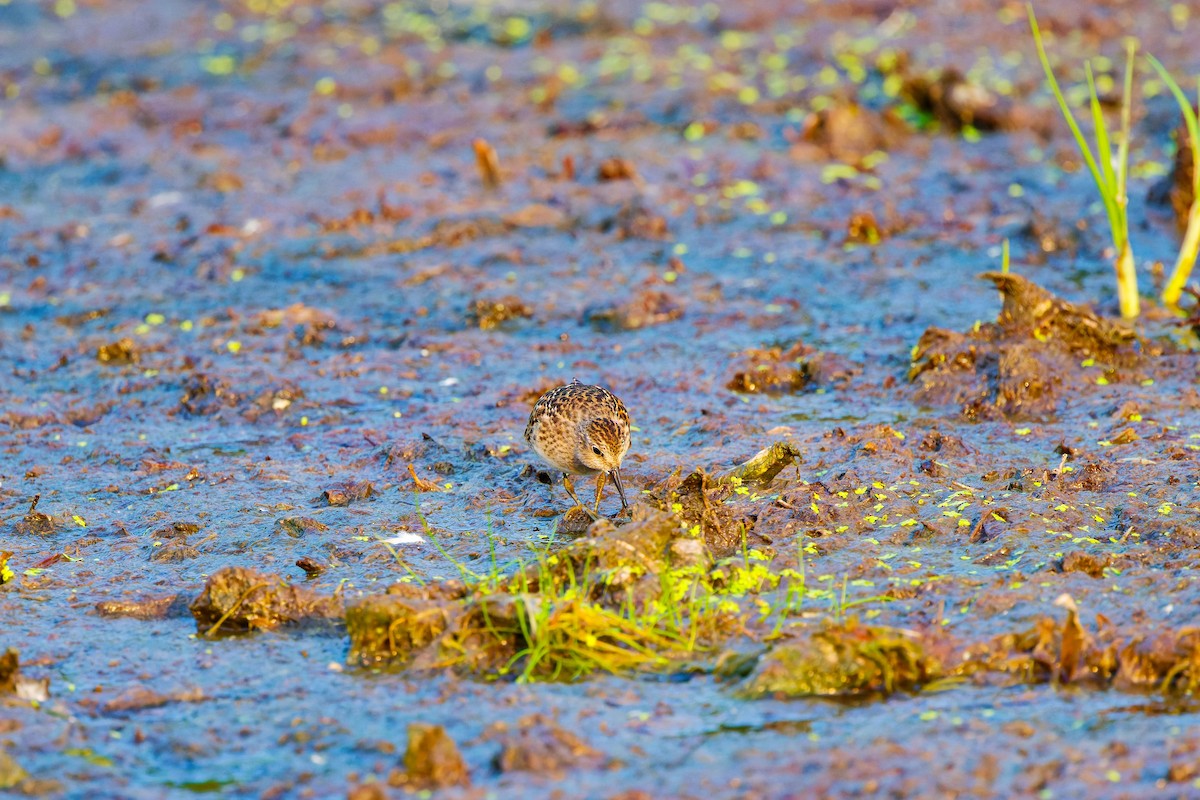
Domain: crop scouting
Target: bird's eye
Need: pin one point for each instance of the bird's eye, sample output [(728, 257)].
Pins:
[(596, 450)]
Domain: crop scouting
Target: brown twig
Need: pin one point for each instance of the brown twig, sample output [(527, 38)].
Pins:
[(488, 163)]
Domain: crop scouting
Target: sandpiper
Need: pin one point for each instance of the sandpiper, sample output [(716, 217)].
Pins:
[(580, 430)]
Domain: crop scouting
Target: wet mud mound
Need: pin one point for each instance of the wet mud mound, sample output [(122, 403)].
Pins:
[(281, 280), (1025, 365), (1099, 655), (1176, 190), (845, 661), (237, 600), (849, 132), (587, 606), (704, 503), (796, 368)]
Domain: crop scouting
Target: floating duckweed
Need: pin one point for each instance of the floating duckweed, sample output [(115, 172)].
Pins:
[(1179, 16), (219, 65), (742, 188), (835, 172), (735, 40)]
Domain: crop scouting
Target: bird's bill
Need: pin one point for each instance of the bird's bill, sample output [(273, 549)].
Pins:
[(616, 479)]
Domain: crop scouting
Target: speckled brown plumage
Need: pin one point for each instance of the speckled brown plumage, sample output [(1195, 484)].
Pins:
[(554, 423), (579, 429)]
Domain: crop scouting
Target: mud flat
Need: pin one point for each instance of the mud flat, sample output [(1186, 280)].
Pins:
[(280, 282)]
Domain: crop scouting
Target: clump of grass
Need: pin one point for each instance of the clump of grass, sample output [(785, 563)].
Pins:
[(1110, 174), (569, 626), (569, 637), (613, 603), (570, 622), (584, 609), (1190, 247)]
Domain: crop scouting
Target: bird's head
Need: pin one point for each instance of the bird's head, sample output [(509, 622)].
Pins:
[(603, 444)]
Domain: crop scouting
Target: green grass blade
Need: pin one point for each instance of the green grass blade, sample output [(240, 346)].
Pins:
[(1106, 183), (1084, 149), (1103, 145), (1123, 148), (1190, 247), (1189, 116)]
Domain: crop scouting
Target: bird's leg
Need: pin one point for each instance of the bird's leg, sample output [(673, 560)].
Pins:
[(600, 478), (571, 491)]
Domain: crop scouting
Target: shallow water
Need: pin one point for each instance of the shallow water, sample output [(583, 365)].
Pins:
[(188, 178)]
